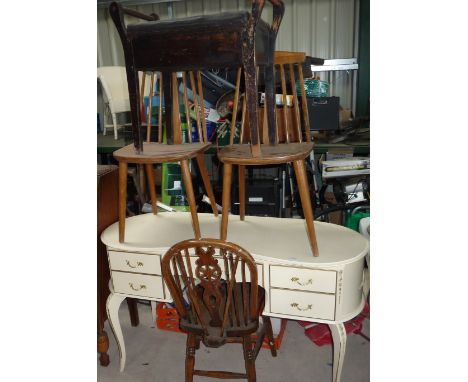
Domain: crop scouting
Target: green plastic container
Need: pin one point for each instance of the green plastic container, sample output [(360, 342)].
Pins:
[(313, 88), (352, 220)]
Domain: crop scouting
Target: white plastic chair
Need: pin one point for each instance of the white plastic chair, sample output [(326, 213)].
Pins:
[(114, 83)]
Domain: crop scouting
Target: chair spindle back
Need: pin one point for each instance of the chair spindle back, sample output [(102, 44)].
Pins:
[(214, 286), (153, 84), (290, 125)]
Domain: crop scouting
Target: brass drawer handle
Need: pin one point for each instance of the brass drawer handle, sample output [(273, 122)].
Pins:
[(296, 305), (139, 264), (137, 289), (296, 280)]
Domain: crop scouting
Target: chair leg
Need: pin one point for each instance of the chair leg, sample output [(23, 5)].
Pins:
[(269, 334), (226, 199), (152, 187), (103, 347), (135, 174), (302, 183), (249, 358), (114, 122), (242, 192), (187, 178), (190, 357), (206, 182), (122, 199)]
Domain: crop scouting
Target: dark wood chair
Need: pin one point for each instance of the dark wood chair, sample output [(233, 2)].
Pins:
[(291, 143), (144, 53), (215, 289)]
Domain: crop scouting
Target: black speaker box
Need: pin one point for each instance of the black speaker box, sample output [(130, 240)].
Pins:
[(262, 197), (324, 113)]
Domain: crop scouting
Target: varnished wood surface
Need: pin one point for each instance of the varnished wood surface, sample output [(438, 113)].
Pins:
[(223, 305), (303, 186), (271, 154), (272, 151), (160, 153), (285, 57)]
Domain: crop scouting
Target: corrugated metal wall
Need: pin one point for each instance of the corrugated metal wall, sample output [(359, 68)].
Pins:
[(321, 28)]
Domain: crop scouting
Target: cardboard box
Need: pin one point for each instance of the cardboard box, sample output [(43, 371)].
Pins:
[(346, 116)]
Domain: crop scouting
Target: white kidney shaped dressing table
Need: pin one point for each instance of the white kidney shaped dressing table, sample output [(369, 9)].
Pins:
[(326, 289)]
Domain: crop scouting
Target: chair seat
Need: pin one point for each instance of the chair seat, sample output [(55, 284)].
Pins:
[(196, 42), (271, 154), (225, 20), (160, 153), (231, 329)]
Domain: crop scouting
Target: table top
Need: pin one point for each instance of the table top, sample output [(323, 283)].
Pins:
[(279, 240)]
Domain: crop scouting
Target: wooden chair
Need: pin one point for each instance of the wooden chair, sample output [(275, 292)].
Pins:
[(215, 289), (142, 55), (276, 147)]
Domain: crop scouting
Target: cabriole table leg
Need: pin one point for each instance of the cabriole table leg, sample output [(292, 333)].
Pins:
[(339, 348), (112, 306)]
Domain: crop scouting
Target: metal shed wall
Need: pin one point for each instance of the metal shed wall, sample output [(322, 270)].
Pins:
[(321, 28)]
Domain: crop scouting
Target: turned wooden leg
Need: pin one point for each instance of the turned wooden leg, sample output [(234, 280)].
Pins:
[(122, 199), (103, 347), (249, 358), (141, 189), (242, 192), (190, 357), (133, 310), (206, 182), (269, 334), (187, 178), (135, 174), (226, 199), (152, 187), (303, 185)]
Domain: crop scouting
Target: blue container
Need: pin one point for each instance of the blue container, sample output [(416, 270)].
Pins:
[(210, 131)]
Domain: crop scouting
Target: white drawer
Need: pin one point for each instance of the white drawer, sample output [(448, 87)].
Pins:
[(139, 285), (303, 279), (135, 262), (303, 304)]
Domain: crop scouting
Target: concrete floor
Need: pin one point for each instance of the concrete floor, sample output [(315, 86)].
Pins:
[(158, 356)]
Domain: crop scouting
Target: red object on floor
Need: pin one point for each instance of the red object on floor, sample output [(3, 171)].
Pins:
[(320, 334), (167, 318)]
